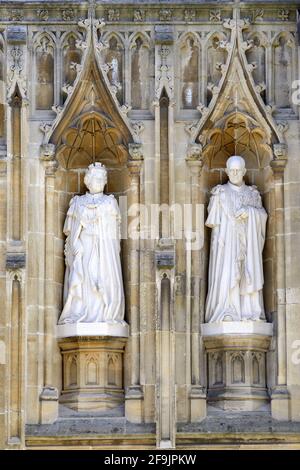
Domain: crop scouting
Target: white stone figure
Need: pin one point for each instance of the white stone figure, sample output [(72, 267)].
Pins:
[(238, 223), (93, 289)]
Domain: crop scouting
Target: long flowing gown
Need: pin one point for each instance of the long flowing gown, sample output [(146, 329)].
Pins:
[(235, 267), (93, 288)]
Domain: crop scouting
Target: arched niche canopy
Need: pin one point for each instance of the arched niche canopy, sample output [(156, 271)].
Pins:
[(236, 134), (91, 137)]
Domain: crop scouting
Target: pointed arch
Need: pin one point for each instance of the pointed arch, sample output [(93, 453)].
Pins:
[(77, 149), (237, 368), (70, 56), (141, 70), (90, 95), (189, 89), (92, 371), (114, 57), (109, 34), (44, 71), (216, 59), (111, 371), (139, 34), (284, 60), (256, 54), (237, 133), (220, 34)]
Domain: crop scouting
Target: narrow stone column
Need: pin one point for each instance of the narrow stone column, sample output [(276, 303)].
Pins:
[(15, 264), (280, 397), (197, 394), (134, 394), (49, 395)]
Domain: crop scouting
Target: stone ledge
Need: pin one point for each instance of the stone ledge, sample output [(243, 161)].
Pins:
[(68, 330), (237, 328)]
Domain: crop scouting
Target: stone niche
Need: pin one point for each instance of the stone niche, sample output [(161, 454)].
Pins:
[(236, 354), (92, 372), (240, 362), (90, 130)]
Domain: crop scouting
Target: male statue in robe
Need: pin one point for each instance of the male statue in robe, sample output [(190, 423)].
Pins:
[(238, 223), (93, 288)]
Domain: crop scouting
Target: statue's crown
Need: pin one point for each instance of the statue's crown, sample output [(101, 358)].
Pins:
[(97, 167)]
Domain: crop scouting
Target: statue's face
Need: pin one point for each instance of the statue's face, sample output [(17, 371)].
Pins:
[(235, 171), (96, 183)]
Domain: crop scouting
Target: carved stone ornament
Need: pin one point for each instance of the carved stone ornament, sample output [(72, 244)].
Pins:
[(16, 15), (68, 14), (215, 16), (43, 14), (165, 15), (113, 15), (189, 15), (138, 15)]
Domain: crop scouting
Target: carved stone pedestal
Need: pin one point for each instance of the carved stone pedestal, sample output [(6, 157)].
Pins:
[(92, 372), (237, 364)]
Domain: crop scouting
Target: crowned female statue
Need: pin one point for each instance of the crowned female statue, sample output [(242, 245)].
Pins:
[(238, 223), (93, 288)]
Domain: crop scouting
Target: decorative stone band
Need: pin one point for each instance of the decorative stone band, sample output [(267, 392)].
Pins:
[(237, 364)]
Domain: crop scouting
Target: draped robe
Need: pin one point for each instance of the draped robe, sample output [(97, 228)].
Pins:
[(93, 287), (235, 266)]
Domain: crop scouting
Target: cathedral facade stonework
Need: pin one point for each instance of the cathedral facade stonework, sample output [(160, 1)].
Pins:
[(161, 94)]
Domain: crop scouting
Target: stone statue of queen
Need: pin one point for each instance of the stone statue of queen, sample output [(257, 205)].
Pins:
[(238, 223), (93, 288)]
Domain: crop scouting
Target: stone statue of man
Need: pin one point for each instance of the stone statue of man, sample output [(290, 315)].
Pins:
[(238, 223), (93, 288)]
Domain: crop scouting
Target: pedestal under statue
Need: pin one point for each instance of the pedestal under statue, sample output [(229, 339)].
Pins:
[(236, 335), (91, 330)]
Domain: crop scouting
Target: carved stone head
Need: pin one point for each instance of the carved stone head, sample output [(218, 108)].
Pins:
[(235, 170), (96, 178)]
